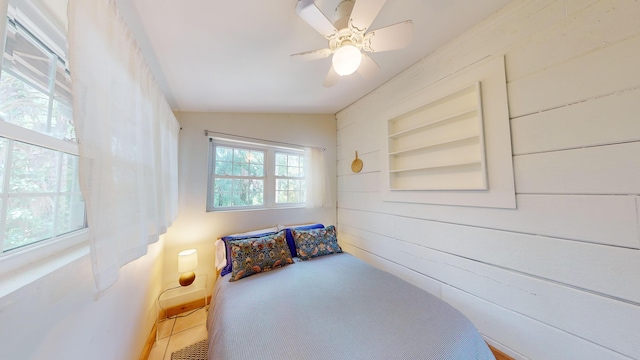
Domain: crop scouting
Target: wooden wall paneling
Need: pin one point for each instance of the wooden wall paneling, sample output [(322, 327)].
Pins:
[(607, 120), (370, 162), (597, 268), (531, 338), (638, 212), (375, 223), (497, 136), (360, 132), (593, 317), (423, 282), (517, 20), (554, 278), (577, 79), (363, 182), (613, 169), (608, 220), (606, 22)]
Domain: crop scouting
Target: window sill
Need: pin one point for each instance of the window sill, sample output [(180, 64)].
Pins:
[(280, 207), (23, 267)]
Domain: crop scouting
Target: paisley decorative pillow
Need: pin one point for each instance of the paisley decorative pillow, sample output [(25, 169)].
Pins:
[(256, 255), (316, 242)]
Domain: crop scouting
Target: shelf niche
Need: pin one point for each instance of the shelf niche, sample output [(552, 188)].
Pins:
[(440, 145)]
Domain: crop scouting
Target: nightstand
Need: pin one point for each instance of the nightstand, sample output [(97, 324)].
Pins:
[(176, 299)]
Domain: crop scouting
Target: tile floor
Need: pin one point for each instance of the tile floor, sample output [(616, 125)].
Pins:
[(175, 334)]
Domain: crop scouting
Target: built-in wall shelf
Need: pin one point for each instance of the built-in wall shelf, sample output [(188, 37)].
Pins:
[(439, 145)]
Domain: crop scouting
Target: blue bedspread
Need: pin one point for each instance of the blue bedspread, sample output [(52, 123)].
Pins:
[(335, 307)]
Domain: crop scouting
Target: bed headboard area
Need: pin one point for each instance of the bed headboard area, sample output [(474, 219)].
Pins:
[(265, 249)]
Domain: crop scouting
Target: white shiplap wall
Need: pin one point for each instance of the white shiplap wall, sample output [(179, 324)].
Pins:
[(558, 278)]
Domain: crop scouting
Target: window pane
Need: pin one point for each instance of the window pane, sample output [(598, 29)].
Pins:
[(293, 196), (240, 156), (257, 157), (256, 170), (281, 159), (281, 197), (224, 153), (27, 60), (3, 155), (257, 192), (293, 172), (29, 220), (223, 168), (281, 184), (240, 169), (62, 121), (69, 175), (281, 171), (35, 87), (222, 192), (22, 104), (71, 215), (33, 169)]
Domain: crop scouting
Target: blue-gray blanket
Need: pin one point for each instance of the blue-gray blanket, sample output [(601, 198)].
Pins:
[(335, 307)]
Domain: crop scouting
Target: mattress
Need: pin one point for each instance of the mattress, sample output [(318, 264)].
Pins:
[(335, 307)]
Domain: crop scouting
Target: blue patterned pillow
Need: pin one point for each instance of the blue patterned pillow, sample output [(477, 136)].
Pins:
[(250, 235), (252, 256), (316, 242)]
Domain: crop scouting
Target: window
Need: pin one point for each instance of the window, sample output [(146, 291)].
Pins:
[(249, 176), (40, 197), (290, 184)]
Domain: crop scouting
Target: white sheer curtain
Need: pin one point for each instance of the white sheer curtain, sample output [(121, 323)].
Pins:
[(318, 192), (127, 135)]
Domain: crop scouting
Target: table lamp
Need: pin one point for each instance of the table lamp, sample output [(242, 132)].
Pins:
[(187, 262)]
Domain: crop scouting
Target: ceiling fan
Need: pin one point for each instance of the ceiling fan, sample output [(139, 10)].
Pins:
[(348, 38)]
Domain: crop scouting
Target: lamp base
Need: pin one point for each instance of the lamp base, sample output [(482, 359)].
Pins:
[(187, 278)]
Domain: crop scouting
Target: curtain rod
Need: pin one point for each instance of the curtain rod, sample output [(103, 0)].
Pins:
[(208, 132)]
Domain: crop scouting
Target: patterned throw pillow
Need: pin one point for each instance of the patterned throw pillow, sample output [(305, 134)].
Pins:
[(316, 242), (256, 255)]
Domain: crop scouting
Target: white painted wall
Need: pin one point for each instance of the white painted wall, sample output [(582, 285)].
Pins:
[(197, 228), (61, 316), (558, 278)]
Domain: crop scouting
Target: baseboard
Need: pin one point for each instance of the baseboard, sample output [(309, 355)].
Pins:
[(172, 311), (179, 309), (151, 339), (499, 354)]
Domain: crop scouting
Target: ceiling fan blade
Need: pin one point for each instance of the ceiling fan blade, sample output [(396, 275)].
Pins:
[(332, 78), (368, 67), (311, 55), (311, 14), (363, 14), (392, 37)]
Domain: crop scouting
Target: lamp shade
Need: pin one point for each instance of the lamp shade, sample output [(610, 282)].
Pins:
[(346, 60), (187, 260)]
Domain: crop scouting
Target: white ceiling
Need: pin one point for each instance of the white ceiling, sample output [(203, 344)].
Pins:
[(233, 56)]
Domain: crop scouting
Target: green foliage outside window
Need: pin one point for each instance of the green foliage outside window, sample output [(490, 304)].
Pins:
[(39, 192)]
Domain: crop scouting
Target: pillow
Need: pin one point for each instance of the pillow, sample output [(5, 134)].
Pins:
[(251, 234), (290, 242), (221, 259), (316, 242), (256, 255)]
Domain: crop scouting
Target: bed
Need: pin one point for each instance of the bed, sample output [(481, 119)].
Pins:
[(334, 306)]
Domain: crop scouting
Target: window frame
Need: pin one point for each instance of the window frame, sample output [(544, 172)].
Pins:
[(41, 32), (269, 185)]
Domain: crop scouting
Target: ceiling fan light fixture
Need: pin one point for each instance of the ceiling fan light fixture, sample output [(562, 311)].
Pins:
[(346, 60)]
